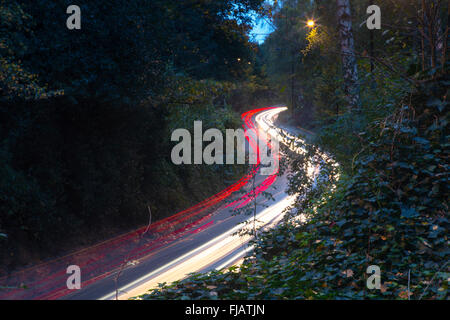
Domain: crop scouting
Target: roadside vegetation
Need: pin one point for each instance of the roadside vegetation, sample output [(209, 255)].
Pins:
[(86, 115)]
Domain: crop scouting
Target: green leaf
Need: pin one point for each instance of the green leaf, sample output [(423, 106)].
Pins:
[(421, 140), (409, 213)]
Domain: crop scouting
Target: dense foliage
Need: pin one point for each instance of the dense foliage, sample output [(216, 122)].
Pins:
[(392, 212), (86, 115)]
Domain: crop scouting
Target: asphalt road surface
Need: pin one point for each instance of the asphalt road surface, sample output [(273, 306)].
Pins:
[(198, 239), (214, 245)]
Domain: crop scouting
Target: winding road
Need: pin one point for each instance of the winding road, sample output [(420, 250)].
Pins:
[(199, 239)]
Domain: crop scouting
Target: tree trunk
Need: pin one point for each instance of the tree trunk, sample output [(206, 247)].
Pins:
[(349, 68), (439, 34), (422, 26), (431, 17), (433, 37), (445, 39)]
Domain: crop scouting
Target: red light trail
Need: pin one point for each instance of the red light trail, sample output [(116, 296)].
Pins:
[(48, 280)]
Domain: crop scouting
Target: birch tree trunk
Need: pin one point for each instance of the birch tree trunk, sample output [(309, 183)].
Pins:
[(349, 68)]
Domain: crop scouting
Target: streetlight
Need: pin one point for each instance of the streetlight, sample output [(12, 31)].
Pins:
[(310, 23)]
